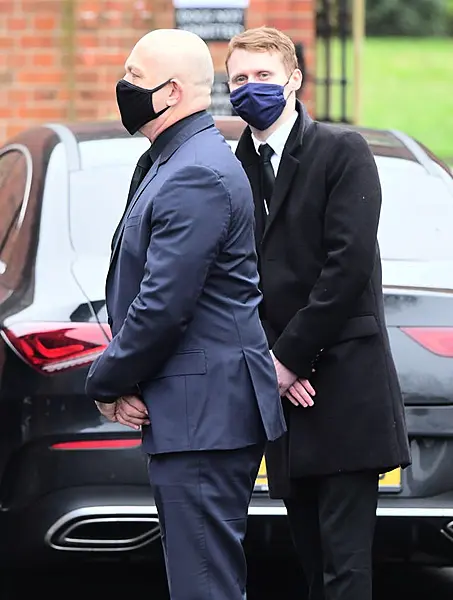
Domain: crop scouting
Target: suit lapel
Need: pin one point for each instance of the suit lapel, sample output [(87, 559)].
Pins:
[(292, 156), (286, 172), (148, 178), (246, 153), (253, 174)]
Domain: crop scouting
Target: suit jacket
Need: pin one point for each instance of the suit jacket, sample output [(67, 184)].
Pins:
[(182, 294), (323, 304)]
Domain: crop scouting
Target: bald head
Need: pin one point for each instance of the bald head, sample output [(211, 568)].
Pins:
[(175, 54), (178, 61)]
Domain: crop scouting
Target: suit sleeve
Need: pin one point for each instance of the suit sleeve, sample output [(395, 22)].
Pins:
[(350, 237), (190, 222)]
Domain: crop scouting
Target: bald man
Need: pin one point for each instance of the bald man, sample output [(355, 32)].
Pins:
[(188, 362)]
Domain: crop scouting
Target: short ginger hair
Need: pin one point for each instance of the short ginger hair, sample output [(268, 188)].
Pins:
[(265, 39)]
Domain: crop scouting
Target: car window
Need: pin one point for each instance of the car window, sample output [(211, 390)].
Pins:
[(97, 201), (13, 192), (99, 191), (416, 216), (417, 213)]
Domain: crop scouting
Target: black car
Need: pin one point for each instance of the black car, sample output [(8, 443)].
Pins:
[(72, 484)]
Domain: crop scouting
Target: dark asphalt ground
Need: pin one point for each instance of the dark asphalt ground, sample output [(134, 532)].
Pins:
[(266, 581)]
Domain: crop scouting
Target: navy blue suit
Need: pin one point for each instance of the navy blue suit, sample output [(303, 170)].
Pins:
[(182, 295)]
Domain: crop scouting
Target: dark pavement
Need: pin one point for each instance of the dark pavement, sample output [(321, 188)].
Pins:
[(276, 581)]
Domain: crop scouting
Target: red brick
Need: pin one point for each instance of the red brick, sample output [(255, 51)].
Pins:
[(87, 114), (84, 77), (95, 95), (87, 40), (44, 60), (115, 59), (116, 5), (284, 5), (164, 20), (37, 41), (6, 42), (40, 77), (42, 112), (6, 112), (64, 95), (17, 24), (89, 6), (18, 97), (5, 6), (117, 41), (6, 79), (45, 23), (284, 23), (45, 95), (257, 19), (18, 60), (13, 129), (259, 6), (41, 6)]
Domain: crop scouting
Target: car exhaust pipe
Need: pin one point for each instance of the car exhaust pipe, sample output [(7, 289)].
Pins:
[(447, 531), (100, 531)]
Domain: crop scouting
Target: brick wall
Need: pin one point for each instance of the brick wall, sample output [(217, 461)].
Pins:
[(60, 59)]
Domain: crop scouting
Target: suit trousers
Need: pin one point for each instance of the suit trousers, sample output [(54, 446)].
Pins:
[(332, 521), (202, 500)]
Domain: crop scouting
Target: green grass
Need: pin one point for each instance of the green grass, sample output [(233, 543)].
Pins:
[(407, 85)]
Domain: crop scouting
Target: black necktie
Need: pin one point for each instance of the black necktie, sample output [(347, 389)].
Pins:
[(144, 164), (267, 172)]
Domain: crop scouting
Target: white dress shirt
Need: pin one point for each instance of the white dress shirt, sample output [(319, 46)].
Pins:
[(277, 141)]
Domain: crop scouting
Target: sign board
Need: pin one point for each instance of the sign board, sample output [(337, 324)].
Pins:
[(221, 105), (212, 20), (211, 3), (211, 24)]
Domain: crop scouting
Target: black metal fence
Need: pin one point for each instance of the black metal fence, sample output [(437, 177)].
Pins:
[(333, 29)]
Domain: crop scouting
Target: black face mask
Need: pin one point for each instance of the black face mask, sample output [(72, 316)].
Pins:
[(136, 105)]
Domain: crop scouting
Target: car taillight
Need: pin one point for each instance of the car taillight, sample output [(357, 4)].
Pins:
[(438, 340), (52, 347), (110, 444)]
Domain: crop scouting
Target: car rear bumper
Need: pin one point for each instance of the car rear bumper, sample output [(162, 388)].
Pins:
[(96, 522), (60, 503)]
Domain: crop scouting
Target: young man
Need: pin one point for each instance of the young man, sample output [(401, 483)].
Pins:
[(188, 361), (317, 204)]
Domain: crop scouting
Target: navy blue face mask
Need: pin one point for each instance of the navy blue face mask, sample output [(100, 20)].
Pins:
[(259, 104)]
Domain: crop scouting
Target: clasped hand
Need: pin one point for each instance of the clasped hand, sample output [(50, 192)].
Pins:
[(298, 391), (127, 410)]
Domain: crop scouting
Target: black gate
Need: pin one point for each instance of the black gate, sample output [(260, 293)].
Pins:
[(333, 34)]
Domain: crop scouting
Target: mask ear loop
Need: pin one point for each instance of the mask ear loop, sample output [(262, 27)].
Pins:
[(160, 86), (156, 89), (292, 91)]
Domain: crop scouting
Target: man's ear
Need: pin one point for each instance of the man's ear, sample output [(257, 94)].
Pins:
[(176, 92), (296, 80)]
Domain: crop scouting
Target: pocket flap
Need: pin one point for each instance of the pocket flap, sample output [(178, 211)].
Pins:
[(185, 363), (359, 327), (132, 221)]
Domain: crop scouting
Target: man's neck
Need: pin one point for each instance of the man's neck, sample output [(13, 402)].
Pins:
[(153, 129), (287, 113)]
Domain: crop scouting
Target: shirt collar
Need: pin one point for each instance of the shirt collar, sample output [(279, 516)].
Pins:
[(279, 137), (159, 144)]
